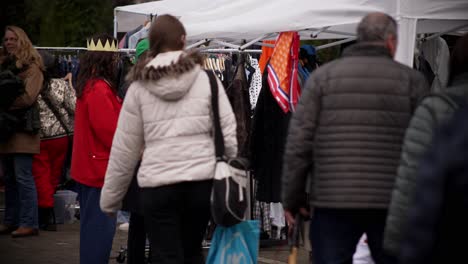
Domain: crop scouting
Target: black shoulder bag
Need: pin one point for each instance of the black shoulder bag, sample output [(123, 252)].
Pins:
[(229, 192)]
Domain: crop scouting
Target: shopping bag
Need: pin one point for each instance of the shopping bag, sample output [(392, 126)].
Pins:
[(237, 244)]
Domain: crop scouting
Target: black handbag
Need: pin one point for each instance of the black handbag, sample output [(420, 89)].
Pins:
[(229, 192), (11, 87)]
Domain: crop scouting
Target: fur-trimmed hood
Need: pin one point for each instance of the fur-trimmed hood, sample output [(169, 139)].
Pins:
[(169, 75)]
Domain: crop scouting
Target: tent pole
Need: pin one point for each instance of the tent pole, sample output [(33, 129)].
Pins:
[(326, 30), (231, 51), (196, 44), (335, 43), (315, 34), (339, 33), (250, 43), (265, 44), (227, 44), (436, 35), (115, 23)]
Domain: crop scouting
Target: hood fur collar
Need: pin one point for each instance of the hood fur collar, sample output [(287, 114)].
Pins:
[(185, 63)]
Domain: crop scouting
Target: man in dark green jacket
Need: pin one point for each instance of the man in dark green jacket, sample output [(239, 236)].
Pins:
[(348, 130), (432, 112)]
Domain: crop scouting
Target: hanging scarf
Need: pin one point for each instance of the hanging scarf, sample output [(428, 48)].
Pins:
[(283, 71)]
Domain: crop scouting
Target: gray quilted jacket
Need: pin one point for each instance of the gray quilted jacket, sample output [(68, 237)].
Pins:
[(417, 141), (348, 130)]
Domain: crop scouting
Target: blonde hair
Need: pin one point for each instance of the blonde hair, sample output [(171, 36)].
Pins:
[(25, 53)]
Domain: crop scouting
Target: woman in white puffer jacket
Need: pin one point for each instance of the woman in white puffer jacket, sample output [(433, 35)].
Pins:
[(167, 116)]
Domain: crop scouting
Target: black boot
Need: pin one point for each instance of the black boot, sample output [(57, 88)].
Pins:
[(47, 219)]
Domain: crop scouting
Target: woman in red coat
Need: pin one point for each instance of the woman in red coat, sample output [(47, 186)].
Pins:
[(97, 111)]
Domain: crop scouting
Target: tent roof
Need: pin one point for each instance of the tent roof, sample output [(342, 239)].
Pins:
[(248, 20)]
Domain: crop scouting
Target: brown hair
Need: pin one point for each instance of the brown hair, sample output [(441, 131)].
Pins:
[(25, 53), (166, 34), (98, 65), (459, 58)]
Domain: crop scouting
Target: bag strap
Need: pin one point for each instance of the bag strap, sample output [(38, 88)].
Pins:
[(218, 133)]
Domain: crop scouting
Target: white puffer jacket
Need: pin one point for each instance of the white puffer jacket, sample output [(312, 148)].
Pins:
[(166, 115)]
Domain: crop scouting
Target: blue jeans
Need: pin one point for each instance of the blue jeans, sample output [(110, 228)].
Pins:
[(334, 234), (20, 191), (96, 228)]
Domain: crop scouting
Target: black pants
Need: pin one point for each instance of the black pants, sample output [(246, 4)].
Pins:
[(176, 217), (136, 244), (334, 234)]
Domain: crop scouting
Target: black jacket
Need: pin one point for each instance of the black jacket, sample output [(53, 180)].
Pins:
[(438, 217), (269, 130)]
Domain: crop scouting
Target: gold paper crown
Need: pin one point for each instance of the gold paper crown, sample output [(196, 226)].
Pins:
[(92, 46)]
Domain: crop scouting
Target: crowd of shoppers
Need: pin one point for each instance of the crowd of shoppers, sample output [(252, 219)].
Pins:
[(382, 155)]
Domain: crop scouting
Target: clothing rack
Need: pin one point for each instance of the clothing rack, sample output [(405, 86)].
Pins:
[(252, 51), (79, 49)]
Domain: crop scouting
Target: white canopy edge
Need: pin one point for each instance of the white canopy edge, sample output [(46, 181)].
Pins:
[(241, 21)]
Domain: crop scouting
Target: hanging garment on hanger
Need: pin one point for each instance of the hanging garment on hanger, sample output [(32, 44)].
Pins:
[(282, 71), (133, 39), (262, 213), (129, 34), (238, 94), (426, 69), (266, 54), (277, 218), (436, 52), (268, 138), (255, 84), (122, 42)]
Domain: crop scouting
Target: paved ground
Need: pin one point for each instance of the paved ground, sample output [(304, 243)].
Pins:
[(61, 247)]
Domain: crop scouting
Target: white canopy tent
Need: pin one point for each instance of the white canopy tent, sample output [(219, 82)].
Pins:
[(427, 16), (248, 21)]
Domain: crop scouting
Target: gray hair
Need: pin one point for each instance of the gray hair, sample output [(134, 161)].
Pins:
[(376, 27)]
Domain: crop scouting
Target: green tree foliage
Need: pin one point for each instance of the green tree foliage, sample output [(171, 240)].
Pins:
[(61, 22)]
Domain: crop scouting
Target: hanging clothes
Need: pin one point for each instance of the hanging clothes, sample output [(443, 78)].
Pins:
[(277, 218), (283, 71), (268, 138), (266, 54), (129, 34), (262, 213), (238, 94), (133, 39), (437, 54), (255, 84)]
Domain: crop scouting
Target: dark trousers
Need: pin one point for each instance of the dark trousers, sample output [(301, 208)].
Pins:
[(334, 234), (20, 191), (176, 217), (136, 244), (96, 228)]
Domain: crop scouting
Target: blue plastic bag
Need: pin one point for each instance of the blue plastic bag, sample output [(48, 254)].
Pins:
[(237, 244)]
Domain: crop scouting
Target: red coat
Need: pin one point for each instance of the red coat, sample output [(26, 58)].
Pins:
[(96, 115)]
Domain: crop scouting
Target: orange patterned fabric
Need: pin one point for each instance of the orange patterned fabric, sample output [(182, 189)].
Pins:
[(266, 54), (282, 71)]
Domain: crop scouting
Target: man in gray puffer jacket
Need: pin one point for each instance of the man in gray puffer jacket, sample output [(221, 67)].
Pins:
[(347, 131)]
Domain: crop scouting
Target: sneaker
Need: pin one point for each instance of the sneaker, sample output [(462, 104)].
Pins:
[(124, 227)]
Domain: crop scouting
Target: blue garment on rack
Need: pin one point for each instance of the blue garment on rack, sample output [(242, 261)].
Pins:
[(309, 49), (303, 72)]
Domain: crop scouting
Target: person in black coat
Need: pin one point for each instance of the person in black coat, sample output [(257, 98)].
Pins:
[(136, 243), (439, 213)]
